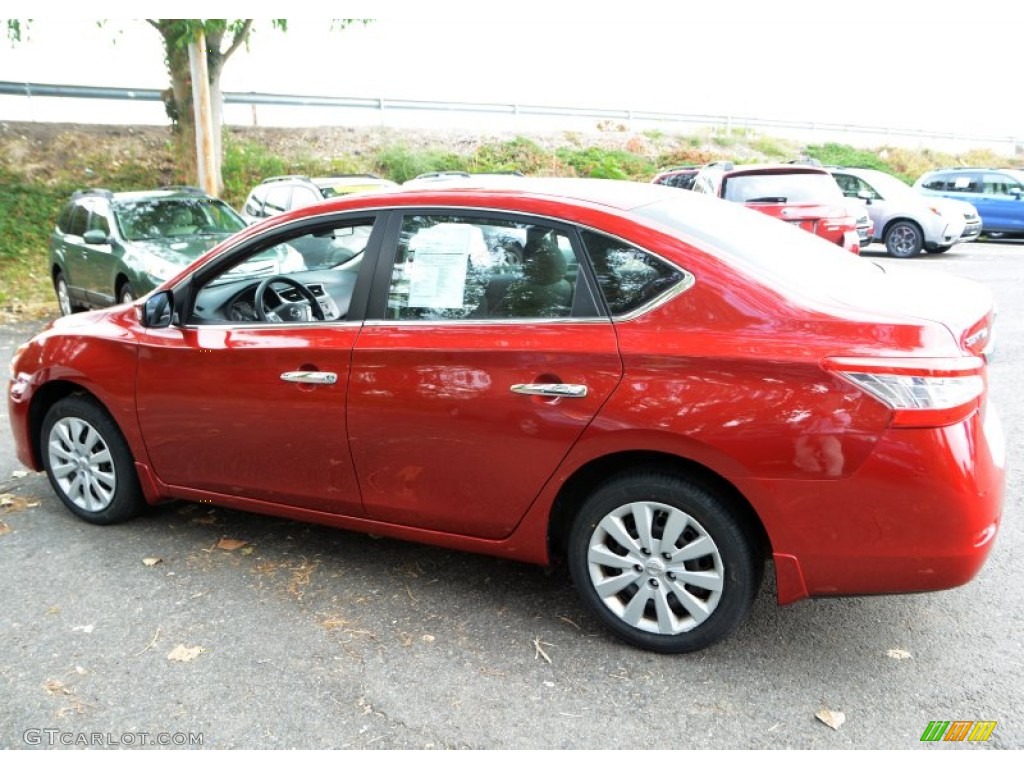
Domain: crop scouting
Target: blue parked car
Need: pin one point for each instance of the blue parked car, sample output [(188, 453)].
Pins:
[(997, 193)]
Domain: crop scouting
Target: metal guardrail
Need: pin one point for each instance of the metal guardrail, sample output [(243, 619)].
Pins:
[(382, 105)]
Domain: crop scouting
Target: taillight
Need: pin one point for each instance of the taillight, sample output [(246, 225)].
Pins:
[(920, 392)]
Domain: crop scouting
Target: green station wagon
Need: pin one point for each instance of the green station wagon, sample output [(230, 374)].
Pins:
[(111, 247)]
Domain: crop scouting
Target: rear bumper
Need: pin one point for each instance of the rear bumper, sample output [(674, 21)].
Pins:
[(920, 515)]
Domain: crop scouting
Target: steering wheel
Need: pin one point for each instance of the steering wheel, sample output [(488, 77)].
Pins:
[(290, 311)]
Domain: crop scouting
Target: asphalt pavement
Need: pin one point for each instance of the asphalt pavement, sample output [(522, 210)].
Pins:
[(205, 625)]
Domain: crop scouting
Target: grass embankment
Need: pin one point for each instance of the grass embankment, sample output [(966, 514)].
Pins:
[(30, 199)]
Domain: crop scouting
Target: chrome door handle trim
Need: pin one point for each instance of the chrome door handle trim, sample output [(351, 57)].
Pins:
[(310, 377), (551, 390)]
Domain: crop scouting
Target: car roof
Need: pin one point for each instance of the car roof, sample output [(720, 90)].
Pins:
[(164, 193), (505, 192), (766, 168)]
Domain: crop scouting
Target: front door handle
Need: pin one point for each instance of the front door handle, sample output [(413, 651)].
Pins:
[(310, 377), (551, 390)]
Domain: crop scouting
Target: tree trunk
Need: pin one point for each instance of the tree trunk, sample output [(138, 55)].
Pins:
[(178, 102)]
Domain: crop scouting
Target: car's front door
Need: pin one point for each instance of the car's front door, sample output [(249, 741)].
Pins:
[(246, 397), (483, 366), (1002, 203)]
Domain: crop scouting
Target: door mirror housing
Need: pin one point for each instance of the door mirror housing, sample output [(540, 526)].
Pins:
[(158, 310), (96, 237)]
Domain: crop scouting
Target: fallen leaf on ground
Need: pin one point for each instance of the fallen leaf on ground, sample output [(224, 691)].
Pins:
[(4, 528), (204, 520), (6, 499), (184, 653), (831, 718), (20, 473), (54, 687), (899, 653), (428, 638), (230, 544), (87, 628), (151, 561)]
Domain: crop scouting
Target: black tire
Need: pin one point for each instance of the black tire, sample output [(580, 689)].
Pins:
[(60, 287), (903, 239), (937, 248), (670, 612), (125, 294), (88, 462)]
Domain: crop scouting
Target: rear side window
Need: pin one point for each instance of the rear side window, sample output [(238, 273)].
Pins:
[(301, 197), (469, 268), (629, 277)]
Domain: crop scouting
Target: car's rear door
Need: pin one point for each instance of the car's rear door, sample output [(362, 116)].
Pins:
[(476, 371)]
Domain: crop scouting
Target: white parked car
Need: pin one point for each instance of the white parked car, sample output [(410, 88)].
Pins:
[(907, 222)]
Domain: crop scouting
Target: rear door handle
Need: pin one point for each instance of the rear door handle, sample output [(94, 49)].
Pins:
[(551, 390), (310, 377)]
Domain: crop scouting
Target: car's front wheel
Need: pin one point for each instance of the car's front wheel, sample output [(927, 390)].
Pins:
[(88, 462), (60, 287), (904, 240), (663, 562), (125, 294)]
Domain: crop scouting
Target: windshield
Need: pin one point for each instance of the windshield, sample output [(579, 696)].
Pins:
[(773, 250), (781, 187), (176, 218)]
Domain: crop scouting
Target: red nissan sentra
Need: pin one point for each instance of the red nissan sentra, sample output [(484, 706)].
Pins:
[(661, 389)]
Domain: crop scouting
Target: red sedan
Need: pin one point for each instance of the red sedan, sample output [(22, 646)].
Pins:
[(661, 389)]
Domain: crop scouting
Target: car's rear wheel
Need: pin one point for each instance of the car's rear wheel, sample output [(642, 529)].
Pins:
[(937, 248), (904, 240), (88, 462), (663, 562)]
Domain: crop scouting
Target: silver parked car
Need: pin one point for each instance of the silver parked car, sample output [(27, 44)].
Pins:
[(907, 222)]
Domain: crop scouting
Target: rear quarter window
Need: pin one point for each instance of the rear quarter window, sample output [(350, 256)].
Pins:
[(629, 277)]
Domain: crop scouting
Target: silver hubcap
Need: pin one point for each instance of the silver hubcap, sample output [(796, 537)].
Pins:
[(81, 464), (63, 298), (656, 568)]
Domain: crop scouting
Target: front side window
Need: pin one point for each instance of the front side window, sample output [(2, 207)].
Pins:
[(475, 268), (1000, 184), (302, 196), (78, 221), (852, 186), (629, 277), (309, 277)]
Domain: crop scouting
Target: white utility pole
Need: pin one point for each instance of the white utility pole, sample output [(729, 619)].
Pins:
[(208, 161)]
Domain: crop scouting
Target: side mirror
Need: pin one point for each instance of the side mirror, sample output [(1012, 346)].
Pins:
[(96, 237), (866, 196), (157, 311), (1017, 192)]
